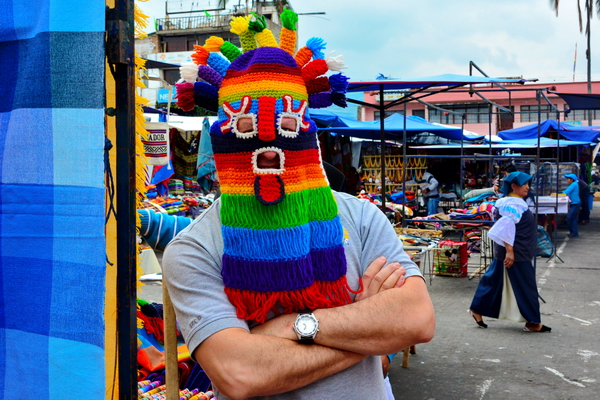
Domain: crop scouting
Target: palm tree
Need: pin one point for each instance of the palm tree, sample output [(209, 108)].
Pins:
[(589, 8)]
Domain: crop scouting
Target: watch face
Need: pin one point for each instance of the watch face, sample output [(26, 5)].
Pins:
[(306, 325)]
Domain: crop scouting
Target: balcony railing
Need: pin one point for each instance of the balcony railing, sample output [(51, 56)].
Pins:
[(200, 22)]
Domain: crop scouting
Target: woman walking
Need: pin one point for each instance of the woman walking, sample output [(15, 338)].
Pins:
[(508, 290)]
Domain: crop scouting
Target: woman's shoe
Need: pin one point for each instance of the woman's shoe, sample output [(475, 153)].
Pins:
[(481, 324), (544, 328)]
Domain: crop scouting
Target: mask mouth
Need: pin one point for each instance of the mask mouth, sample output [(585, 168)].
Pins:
[(268, 160)]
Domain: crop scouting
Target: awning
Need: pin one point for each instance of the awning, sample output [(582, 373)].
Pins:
[(580, 101), (508, 144), (393, 127), (151, 64), (428, 81), (570, 132)]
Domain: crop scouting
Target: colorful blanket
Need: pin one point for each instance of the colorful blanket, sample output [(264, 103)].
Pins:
[(52, 243)]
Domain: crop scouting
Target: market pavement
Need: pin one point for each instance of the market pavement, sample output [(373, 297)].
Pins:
[(502, 362)]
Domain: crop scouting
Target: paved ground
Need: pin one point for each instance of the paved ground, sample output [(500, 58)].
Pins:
[(503, 362)]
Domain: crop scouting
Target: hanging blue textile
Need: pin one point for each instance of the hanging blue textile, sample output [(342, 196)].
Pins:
[(52, 243), (206, 160)]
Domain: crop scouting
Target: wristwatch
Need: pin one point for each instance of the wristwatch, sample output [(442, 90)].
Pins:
[(306, 327)]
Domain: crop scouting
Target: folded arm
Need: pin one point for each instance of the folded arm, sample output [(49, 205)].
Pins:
[(385, 323), (273, 361), (243, 365)]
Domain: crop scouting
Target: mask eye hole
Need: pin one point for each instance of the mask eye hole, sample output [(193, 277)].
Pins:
[(245, 125), (289, 124)]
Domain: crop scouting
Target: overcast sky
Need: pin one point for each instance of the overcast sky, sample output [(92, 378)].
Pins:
[(410, 39)]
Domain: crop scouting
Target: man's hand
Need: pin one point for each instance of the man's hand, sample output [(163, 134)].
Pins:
[(379, 277)]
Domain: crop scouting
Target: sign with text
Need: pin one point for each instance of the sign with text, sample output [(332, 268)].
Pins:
[(163, 95)]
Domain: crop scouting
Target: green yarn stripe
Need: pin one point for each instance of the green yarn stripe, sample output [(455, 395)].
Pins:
[(278, 93), (298, 208)]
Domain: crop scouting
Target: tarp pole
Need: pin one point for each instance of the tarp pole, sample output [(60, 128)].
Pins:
[(382, 139), (462, 160), (404, 166), (491, 161)]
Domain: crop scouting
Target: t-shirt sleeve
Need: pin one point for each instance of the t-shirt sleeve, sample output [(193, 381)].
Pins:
[(191, 271), (379, 238)]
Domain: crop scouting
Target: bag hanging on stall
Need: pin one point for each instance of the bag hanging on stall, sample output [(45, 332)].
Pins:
[(157, 147), (545, 248), (451, 259)]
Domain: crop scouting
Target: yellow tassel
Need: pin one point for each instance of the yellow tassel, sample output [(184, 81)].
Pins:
[(239, 25), (141, 22), (213, 44)]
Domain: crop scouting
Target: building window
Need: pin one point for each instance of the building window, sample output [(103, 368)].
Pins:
[(530, 113), (581, 115), (388, 113), (474, 114), (419, 113)]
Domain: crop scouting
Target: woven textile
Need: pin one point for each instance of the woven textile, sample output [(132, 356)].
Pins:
[(52, 244)]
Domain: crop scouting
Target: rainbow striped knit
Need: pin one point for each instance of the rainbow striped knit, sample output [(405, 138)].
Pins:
[(283, 239)]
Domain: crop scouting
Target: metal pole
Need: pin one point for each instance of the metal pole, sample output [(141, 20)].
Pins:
[(382, 139), (404, 166), (491, 163), (462, 160), (126, 248), (589, 56)]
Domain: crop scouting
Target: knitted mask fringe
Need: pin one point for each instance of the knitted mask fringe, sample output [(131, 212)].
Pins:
[(228, 49), (287, 38), (200, 55), (255, 306), (264, 36), (239, 26)]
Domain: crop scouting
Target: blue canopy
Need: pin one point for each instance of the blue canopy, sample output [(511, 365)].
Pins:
[(580, 101), (428, 81), (508, 144), (567, 131), (393, 126)]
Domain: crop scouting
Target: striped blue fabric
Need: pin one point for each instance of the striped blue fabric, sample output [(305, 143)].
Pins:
[(52, 243)]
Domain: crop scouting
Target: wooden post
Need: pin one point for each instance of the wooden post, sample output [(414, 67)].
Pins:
[(171, 368)]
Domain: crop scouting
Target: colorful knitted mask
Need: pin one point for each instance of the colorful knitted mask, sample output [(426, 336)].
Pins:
[(282, 234)]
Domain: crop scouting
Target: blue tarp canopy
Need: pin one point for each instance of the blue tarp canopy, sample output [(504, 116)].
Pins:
[(508, 144), (428, 81), (393, 126), (580, 101), (570, 132)]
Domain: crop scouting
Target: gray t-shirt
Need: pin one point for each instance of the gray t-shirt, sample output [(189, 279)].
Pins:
[(192, 271)]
